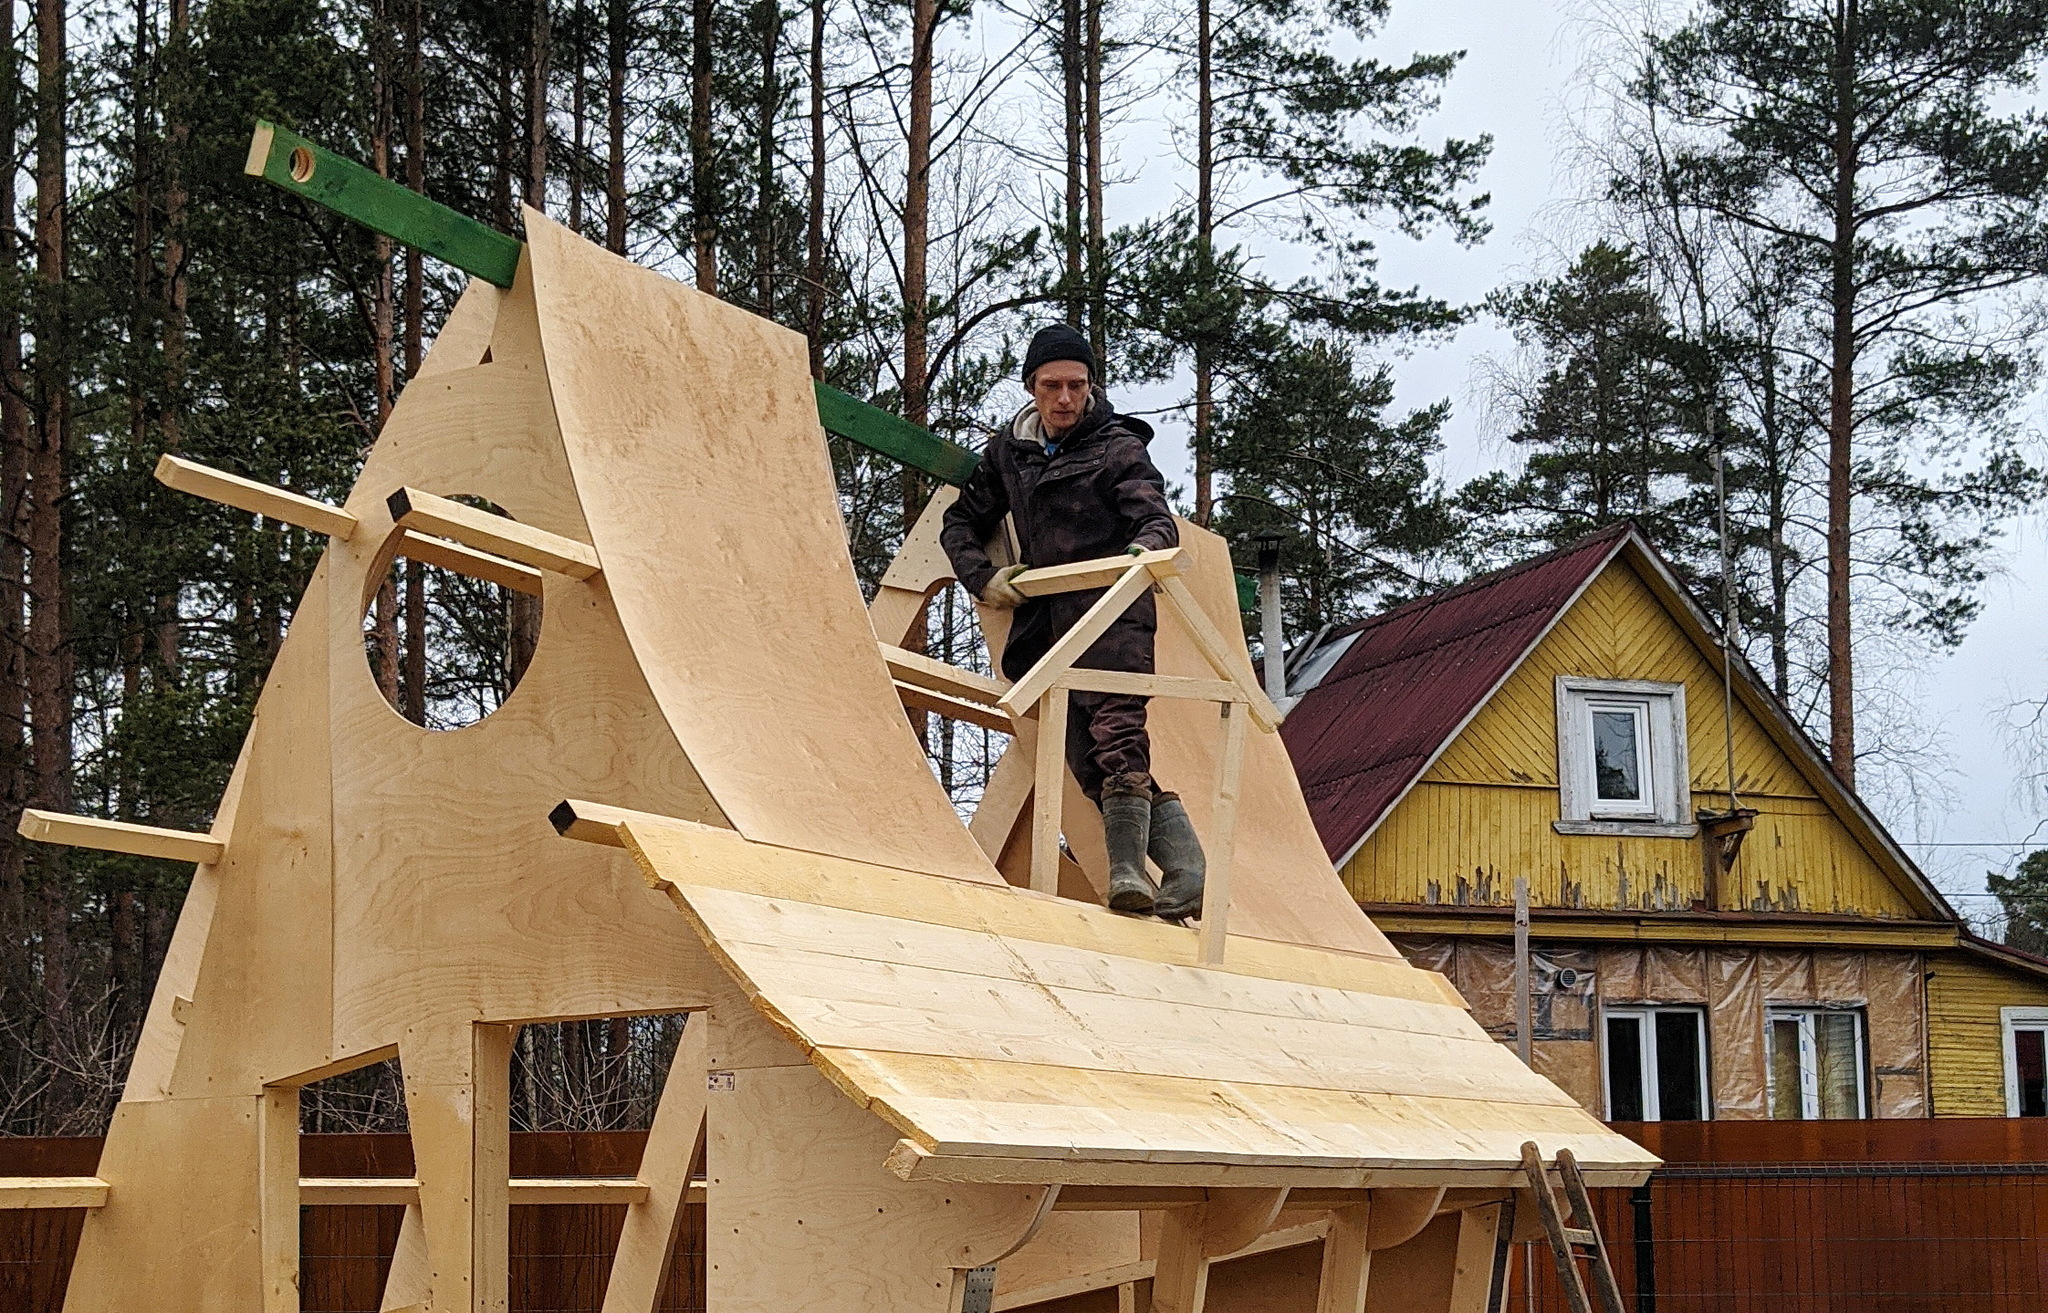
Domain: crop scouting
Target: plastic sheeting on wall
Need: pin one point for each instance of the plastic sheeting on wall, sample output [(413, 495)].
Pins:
[(1735, 986)]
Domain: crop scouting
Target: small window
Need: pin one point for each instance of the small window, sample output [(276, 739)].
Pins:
[(1656, 1064), (2026, 1061), (1621, 758), (1816, 1064)]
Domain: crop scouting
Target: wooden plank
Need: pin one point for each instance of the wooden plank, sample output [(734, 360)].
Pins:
[(1180, 1276), (1400, 1215), (257, 498), (1216, 650), (497, 535), (1347, 1261), (468, 561), (1135, 582), (1150, 686), (893, 436), (973, 713), (119, 837), (1049, 782), (1222, 846), (1099, 573), (1472, 1274), (709, 857), (52, 1192), (675, 1145), (907, 667)]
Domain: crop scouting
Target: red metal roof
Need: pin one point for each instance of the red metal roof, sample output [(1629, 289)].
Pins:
[(1414, 675)]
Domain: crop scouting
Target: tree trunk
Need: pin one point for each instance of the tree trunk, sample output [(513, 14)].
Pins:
[(1842, 401), (1098, 291), (49, 651), (384, 623), (15, 442), (538, 53), (412, 673), (525, 609), (1070, 225), (1205, 230), (764, 182), (814, 237), (577, 111), (703, 180), (924, 22), (617, 39)]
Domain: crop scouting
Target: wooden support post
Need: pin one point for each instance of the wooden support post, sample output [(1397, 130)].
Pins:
[(1472, 1277), (277, 1217), (1222, 835), (119, 837), (183, 475), (1347, 1260), (1180, 1276), (1049, 785), (458, 1097), (675, 1144), (495, 534)]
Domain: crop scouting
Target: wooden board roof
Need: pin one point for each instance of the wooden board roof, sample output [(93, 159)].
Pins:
[(1014, 1037)]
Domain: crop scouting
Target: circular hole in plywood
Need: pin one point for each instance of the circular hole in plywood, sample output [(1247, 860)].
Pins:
[(449, 632), (303, 163)]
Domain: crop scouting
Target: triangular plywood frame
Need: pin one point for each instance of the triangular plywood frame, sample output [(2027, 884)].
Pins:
[(904, 1069)]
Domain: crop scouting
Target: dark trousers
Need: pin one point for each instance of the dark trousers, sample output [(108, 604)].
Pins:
[(1105, 737)]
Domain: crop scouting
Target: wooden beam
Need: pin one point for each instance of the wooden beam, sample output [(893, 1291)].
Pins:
[(52, 1192), (257, 498), (467, 561), (1151, 686), (907, 667), (1215, 649), (974, 713), (494, 534), (1099, 573), (1223, 835), (893, 436), (1134, 583), (1048, 789), (119, 837), (674, 1149), (286, 160), (352, 1191)]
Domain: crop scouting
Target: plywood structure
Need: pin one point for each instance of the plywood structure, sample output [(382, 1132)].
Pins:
[(901, 1068)]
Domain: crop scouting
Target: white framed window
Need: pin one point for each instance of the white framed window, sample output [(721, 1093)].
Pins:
[(1817, 1066), (1621, 758), (2026, 1061), (1656, 1064)]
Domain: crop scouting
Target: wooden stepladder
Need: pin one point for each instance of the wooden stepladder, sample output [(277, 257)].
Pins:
[(1572, 1238)]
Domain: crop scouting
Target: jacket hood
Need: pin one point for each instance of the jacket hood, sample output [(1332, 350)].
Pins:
[(1025, 427)]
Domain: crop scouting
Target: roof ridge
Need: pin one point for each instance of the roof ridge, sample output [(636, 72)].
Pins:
[(1619, 529)]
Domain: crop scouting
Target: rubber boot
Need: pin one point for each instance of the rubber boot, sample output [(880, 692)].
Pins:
[(1179, 853), (1126, 832)]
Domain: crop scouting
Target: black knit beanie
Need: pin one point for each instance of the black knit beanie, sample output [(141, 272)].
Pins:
[(1058, 342)]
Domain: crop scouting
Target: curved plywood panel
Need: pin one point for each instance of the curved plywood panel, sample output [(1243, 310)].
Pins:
[(693, 433)]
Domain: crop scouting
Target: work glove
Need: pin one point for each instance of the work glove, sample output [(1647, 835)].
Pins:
[(1135, 549), (1000, 591)]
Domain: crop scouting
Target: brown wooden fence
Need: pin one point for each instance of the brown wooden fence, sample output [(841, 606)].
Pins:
[(1812, 1217)]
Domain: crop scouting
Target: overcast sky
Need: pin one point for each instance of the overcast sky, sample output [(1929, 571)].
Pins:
[(1522, 65)]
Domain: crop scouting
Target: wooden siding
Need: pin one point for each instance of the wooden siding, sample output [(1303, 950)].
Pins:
[(1482, 814), (1965, 1039)]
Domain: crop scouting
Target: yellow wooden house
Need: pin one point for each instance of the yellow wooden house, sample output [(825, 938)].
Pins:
[(1701, 947)]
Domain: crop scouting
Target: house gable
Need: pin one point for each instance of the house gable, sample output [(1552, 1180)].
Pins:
[(1482, 813)]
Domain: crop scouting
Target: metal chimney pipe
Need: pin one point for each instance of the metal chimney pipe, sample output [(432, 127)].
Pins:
[(1269, 614)]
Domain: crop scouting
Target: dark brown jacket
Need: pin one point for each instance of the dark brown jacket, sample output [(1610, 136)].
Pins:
[(1096, 495)]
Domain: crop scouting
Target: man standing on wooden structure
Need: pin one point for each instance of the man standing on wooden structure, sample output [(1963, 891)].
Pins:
[(1075, 478)]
